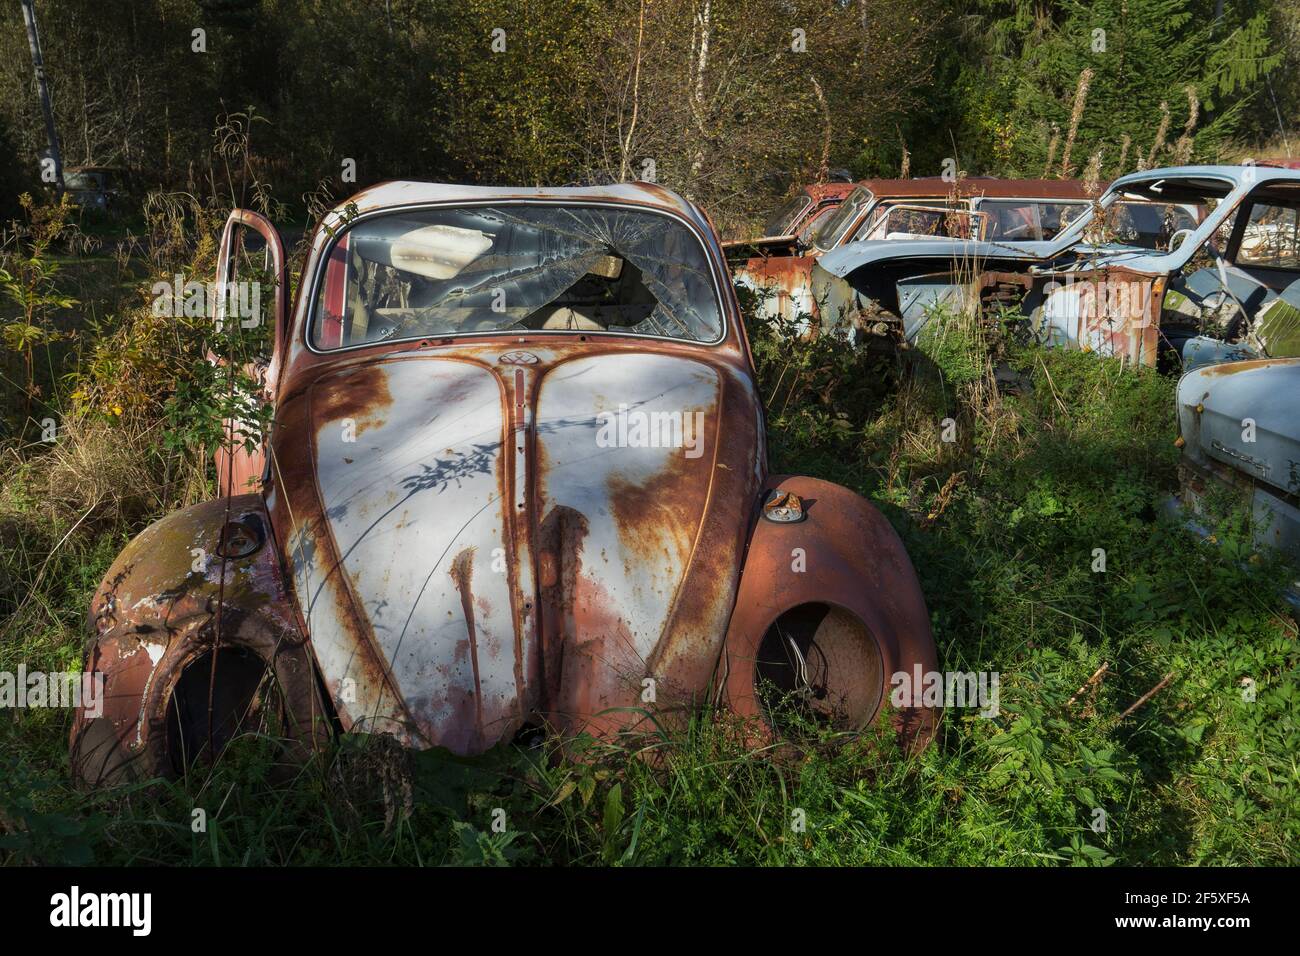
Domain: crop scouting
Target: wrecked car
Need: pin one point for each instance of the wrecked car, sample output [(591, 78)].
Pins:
[(779, 273), (798, 214), (1239, 428), (1168, 256), (516, 481), (806, 208), (99, 188)]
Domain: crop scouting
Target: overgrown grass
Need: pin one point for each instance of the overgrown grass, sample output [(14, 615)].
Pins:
[(1003, 523)]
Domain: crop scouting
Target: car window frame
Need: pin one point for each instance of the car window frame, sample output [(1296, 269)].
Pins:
[(337, 233), (1244, 213), (852, 225)]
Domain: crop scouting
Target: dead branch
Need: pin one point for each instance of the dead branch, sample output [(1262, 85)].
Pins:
[(1097, 675), (1147, 696)]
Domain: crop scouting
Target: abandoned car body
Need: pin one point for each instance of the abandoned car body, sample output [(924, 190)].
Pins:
[(779, 273), (1239, 426), (1169, 255), (804, 211), (517, 477)]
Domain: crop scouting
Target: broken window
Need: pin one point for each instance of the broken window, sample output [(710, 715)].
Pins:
[(1055, 216), (894, 220), (1029, 220), (516, 267), (1271, 238), (1145, 225)]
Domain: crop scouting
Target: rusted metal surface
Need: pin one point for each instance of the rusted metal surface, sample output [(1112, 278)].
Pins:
[(1114, 312), (155, 614), (475, 562), (937, 187), (461, 555), (860, 568)]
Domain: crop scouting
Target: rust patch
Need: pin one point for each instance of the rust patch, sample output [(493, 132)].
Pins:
[(1224, 369), (644, 511), (462, 575), (360, 395), (560, 538)]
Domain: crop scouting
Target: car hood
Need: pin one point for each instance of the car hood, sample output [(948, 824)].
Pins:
[(846, 259), (491, 539), (840, 262)]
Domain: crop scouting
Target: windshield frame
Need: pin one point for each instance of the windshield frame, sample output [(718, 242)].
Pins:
[(1073, 234), (806, 203), (844, 207), (339, 231)]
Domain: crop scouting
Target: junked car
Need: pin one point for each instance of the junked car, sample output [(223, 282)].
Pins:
[(97, 188), (1170, 262), (803, 211), (1239, 428), (901, 209), (516, 479)]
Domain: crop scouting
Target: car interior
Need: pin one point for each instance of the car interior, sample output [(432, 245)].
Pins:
[(1244, 281), (531, 268)]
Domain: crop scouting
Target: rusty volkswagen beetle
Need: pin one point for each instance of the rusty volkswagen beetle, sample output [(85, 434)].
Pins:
[(516, 478)]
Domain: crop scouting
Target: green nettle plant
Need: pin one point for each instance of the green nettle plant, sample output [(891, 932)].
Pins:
[(28, 277)]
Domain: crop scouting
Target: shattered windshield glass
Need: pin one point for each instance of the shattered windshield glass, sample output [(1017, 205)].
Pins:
[(515, 267)]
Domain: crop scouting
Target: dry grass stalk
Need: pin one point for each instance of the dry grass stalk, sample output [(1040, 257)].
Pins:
[(1080, 100), (1183, 148), (1125, 142), (1162, 132), (1092, 175), (1051, 150)]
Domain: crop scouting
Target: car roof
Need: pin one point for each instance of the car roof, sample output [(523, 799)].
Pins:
[(1235, 174), (823, 191), (987, 186), (399, 193)]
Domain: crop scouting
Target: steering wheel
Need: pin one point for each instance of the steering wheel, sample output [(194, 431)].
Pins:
[(1241, 323)]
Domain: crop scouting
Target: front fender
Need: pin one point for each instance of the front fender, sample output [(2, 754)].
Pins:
[(156, 613), (828, 609)]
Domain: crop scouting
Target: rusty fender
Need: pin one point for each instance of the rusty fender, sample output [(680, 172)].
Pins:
[(855, 566), (155, 613)]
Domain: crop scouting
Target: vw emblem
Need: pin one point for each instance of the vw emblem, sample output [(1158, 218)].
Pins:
[(518, 358)]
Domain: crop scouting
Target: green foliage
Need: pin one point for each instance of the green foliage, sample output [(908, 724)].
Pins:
[(1017, 66), (1002, 524), (27, 279), (48, 837), (216, 393)]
